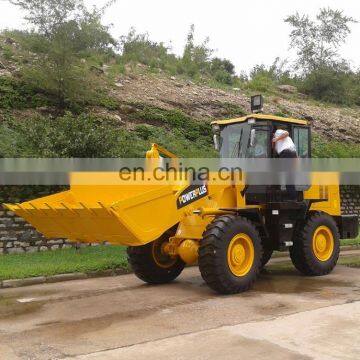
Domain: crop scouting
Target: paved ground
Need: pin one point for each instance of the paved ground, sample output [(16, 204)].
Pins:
[(286, 316)]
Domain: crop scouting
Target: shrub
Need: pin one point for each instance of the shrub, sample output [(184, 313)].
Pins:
[(67, 136), (175, 119), (139, 48), (323, 148), (332, 85), (15, 94)]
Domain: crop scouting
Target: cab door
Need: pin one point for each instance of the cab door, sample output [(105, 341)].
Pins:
[(301, 138)]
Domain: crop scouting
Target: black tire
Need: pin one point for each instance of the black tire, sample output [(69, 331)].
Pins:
[(152, 267), (267, 254), (213, 254), (302, 253)]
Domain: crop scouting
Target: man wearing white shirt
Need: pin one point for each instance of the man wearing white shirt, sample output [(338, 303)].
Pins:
[(286, 149), (284, 146)]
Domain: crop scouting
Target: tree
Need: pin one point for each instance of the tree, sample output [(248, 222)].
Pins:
[(64, 33), (317, 42), (196, 58)]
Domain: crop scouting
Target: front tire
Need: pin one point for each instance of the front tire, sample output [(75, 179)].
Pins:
[(316, 248), (152, 265), (230, 254)]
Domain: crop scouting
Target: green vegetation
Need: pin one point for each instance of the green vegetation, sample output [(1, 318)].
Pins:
[(97, 258), (348, 242), (350, 261), (88, 136), (351, 242), (196, 62), (66, 136), (15, 94), (325, 75), (65, 36), (323, 148), (63, 261)]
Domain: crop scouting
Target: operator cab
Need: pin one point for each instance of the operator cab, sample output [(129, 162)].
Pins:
[(250, 137)]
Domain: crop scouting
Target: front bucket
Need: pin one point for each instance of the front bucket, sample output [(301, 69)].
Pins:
[(132, 220)]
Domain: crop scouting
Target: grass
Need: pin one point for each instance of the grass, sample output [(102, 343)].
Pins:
[(349, 242), (97, 258), (351, 261)]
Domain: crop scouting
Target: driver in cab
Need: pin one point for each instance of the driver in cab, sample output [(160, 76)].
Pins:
[(286, 149), (283, 144)]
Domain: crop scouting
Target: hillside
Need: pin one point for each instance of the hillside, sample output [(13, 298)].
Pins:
[(175, 110), (202, 102)]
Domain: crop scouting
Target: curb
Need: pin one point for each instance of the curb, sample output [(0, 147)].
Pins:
[(342, 248), (16, 283)]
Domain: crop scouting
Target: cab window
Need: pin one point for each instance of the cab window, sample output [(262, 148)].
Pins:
[(301, 140), (260, 147)]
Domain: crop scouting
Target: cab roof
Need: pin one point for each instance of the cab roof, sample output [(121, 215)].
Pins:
[(261, 117)]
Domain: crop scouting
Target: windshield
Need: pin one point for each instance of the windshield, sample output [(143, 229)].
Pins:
[(232, 140), (235, 141)]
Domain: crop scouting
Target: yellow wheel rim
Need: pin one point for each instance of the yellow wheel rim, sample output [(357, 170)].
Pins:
[(160, 256), (240, 254), (323, 243)]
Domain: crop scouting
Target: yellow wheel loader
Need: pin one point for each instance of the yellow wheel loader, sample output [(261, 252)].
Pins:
[(230, 229)]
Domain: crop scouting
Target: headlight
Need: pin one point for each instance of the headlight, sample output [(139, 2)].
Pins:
[(257, 103)]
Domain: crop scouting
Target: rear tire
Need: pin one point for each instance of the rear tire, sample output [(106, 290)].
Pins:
[(230, 254), (316, 248), (151, 265), (267, 254)]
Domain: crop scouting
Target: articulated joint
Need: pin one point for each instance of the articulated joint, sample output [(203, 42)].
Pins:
[(187, 249)]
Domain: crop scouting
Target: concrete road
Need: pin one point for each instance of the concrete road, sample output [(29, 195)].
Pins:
[(286, 316)]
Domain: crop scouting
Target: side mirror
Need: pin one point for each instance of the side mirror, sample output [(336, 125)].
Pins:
[(216, 142), (216, 133), (252, 137)]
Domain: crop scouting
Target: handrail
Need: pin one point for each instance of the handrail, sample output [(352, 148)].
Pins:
[(156, 150)]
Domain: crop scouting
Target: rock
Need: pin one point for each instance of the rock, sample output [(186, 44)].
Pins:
[(5, 72), (127, 109), (308, 117), (43, 109), (66, 277), (97, 70), (15, 251), (118, 118), (287, 89), (105, 69), (23, 282), (119, 85), (173, 78), (9, 41)]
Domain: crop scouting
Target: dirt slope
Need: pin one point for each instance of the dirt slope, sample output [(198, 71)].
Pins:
[(206, 103)]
